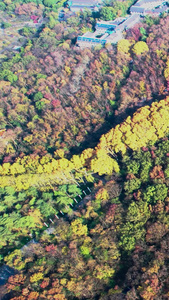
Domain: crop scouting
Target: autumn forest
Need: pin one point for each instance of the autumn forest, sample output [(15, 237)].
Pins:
[(84, 157)]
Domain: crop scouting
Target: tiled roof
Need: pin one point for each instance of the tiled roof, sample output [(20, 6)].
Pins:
[(132, 19), (84, 2), (137, 9), (157, 10), (142, 2), (111, 23)]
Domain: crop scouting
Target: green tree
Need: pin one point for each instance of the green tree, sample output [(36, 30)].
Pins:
[(133, 230), (107, 13), (46, 209), (150, 21), (10, 200), (153, 193), (12, 77), (52, 22), (40, 105), (49, 3), (131, 185), (62, 201), (2, 6), (26, 31), (144, 34), (74, 190), (38, 96), (133, 166), (5, 25)]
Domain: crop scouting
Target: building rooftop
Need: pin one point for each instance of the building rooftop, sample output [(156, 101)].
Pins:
[(129, 22), (88, 34), (142, 2), (137, 9), (114, 37), (141, 8), (158, 11), (114, 22), (79, 6), (76, 5), (84, 2)]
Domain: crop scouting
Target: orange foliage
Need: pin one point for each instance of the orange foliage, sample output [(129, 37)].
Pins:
[(33, 296), (157, 172)]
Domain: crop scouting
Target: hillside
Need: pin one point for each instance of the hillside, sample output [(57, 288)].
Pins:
[(84, 157)]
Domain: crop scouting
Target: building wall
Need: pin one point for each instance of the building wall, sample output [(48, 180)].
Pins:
[(84, 44)]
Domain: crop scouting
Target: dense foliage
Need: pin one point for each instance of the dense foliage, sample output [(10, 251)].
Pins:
[(24, 213), (56, 102), (134, 206), (27, 6), (55, 95)]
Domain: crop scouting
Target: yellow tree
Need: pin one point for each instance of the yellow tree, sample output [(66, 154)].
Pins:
[(78, 228), (103, 163), (166, 70), (123, 46), (140, 48)]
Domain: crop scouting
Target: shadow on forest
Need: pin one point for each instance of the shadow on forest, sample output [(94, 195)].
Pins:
[(6, 296), (111, 121)]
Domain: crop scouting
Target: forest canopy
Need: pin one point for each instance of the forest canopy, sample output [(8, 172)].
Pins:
[(84, 157)]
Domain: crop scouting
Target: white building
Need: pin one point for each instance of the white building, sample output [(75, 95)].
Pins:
[(149, 4), (141, 6), (129, 22), (112, 31), (90, 39), (107, 31), (77, 5)]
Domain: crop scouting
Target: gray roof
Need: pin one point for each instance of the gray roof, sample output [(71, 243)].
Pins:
[(142, 2), (136, 9), (84, 2), (133, 19), (157, 10), (114, 37)]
